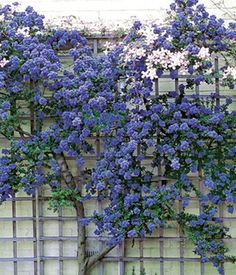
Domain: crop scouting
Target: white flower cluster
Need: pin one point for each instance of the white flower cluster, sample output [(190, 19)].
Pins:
[(162, 59), (230, 72), (166, 60), (131, 53)]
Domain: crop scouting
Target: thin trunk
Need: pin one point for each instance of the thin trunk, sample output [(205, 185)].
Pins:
[(84, 263), (81, 245), (79, 207)]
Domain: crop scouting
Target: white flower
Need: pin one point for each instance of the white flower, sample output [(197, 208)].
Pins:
[(2, 18), (197, 65), (178, 59), (3, 62), (132, 53), (204, 53), (150, 73), (169, 38), (230, 72), (109, 47), (183, 70), (140, 52), (148, 34), (209, 71), (24, 31)]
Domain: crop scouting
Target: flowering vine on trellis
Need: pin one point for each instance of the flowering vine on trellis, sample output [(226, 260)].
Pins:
[(142, 132)]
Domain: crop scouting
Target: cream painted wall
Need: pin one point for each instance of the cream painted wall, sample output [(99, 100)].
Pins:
[(111, 9)]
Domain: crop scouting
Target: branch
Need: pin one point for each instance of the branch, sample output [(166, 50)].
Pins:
[(22, 133), (3, 134), (65, 170), (91, 261), (70, 181)]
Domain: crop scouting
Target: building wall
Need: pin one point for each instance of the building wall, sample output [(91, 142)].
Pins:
[(113, 9)]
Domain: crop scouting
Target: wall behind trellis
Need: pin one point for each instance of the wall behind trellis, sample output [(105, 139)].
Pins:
[(112, 9), (36, 241)]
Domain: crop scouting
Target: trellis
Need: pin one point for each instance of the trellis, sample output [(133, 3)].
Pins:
[(33, 240)]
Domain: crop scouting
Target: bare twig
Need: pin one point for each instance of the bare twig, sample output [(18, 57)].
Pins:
[(221, 6)]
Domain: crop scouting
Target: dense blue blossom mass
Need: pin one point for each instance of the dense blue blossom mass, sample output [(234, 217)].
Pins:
[(152, 144)]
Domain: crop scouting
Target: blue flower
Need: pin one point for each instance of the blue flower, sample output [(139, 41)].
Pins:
[(6, 105), (175, 164), (184, 145), (42, 101), (230, 209), (132, 234), (151, 226)]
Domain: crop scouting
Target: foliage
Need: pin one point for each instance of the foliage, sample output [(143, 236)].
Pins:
[(182, 134), (142, 271), (63, 197)]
